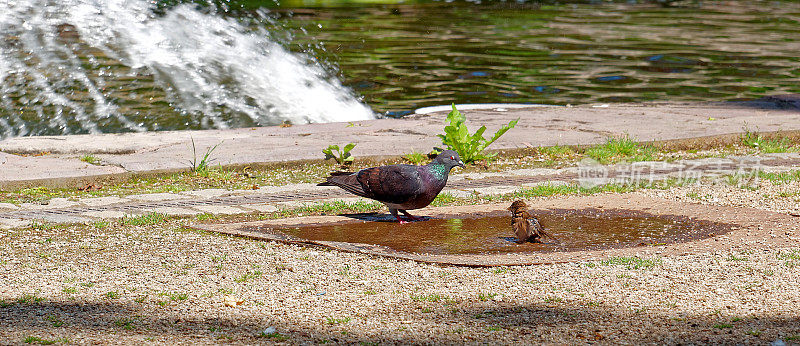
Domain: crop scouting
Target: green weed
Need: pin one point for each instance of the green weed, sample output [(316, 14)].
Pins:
[(55, 321), (415, 158), (29, 299), (90, 159), (38, 340), (202, 167), (127, 323), (779, 178), (632, 262), (766, 145), (469, 147), (249, 275), (341, 156), (274, 335), (429, 298), (620, 149), (334, 321), (145, 220), (488, 296)]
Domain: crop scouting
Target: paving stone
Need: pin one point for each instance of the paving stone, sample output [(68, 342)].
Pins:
[(65, 218), (210, 193), (496, 190), (534, 171), (289, 187), (102, 201), (8, 206), (459, 193), (549, 182), (293, 204), (220, 209), (54, 203), (264, 208), (107, 214), (13, 223), (157, 197), (173, 211)]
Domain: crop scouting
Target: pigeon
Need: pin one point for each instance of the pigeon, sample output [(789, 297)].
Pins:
[(525, 226), (399, 187)]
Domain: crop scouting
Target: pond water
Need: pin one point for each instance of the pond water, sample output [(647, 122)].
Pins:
[(404, 56), (573, 230), (133, 66)]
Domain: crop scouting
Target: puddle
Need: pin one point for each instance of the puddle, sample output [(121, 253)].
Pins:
[(576, 230)]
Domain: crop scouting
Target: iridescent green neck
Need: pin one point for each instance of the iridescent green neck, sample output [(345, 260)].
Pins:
[(438, 170)]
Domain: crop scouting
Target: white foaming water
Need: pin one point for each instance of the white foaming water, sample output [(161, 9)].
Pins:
[(83, 66)]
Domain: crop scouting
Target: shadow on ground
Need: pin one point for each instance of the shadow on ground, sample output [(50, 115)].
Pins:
[(125, 323)]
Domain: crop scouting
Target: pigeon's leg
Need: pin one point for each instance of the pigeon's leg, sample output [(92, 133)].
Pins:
[(394, 213), (409, 216)]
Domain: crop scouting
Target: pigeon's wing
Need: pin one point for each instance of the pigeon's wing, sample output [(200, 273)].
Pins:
[(391, 184), (347, 181)]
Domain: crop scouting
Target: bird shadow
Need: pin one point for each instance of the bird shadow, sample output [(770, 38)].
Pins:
[(380, 217)]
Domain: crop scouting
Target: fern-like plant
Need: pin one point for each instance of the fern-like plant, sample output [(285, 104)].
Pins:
[(469, 147)]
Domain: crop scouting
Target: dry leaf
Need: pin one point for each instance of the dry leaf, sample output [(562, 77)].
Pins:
[(233, 302), (90, 187)]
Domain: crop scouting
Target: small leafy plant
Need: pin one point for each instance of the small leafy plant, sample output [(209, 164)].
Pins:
[(469, 147), (342, 156), (90, 159)]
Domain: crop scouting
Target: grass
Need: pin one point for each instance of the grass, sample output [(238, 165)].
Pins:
[(487, 296), (613, 150), (175, 296), (780, 178), (54, 321), (274, 335), (334, 321), (144, 220), (415, 158), (90, 159), (202, 167), (248, 276), (29, 299), (127, 323), (69, 290), (39, 341), (621, 149), (429, 298), (767, 145), (633, 262)]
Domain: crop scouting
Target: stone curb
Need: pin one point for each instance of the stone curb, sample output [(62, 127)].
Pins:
[(55, 160)]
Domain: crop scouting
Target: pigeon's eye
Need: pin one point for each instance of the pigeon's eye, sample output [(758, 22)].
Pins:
[(452, 157)]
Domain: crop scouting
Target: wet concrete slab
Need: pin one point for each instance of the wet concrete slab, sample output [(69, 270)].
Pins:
[(158, 152), (708, 228)]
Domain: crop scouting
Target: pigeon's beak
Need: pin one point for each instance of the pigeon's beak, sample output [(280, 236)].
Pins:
[(461, 164)]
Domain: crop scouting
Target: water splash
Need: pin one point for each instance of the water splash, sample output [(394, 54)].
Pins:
[(83, 66)]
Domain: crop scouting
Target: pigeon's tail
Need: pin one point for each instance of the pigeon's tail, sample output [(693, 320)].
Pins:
[(346, 180), (328, 181)]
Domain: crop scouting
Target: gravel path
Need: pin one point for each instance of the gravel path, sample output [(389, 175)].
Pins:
[(166, 284)]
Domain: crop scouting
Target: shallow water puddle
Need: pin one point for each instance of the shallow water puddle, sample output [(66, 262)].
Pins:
[(575, 230)]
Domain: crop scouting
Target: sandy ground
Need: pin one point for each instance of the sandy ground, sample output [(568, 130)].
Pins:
[(167, 284)]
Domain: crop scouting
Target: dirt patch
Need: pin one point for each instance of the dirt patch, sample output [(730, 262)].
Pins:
[(738, 228)]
